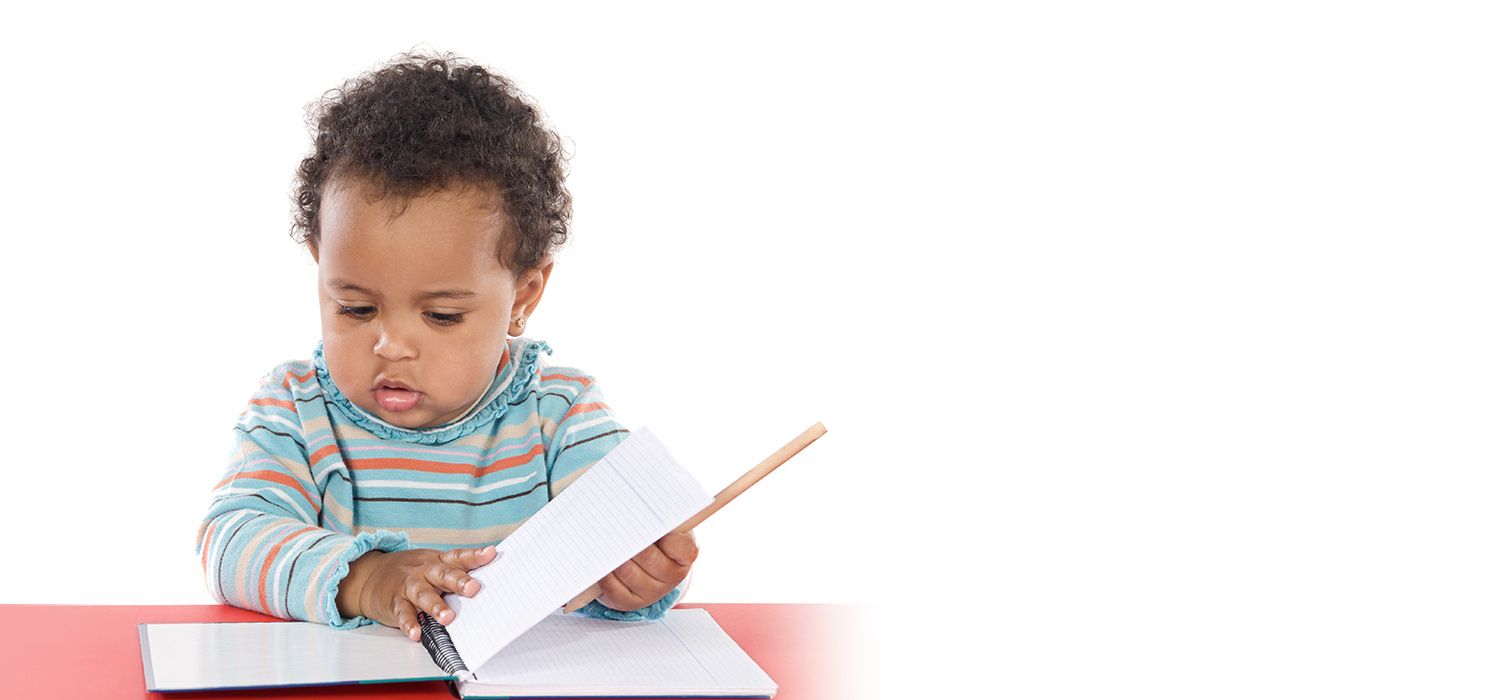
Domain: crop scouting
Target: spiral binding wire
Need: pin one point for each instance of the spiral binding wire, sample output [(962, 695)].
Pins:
[(440, 646)]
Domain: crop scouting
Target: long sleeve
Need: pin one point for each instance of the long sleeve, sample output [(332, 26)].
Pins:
[(585, 430), (271, 541), (581, 426)]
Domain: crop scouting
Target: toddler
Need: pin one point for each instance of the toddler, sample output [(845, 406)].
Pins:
[(368, 481)]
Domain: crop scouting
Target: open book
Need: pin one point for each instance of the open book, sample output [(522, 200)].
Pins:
[(684, 654), (633, 496)]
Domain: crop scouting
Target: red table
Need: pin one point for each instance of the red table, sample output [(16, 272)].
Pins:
[(94, 651)]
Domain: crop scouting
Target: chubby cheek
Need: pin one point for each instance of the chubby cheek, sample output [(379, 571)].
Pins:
[(350, 361), (455, 368)]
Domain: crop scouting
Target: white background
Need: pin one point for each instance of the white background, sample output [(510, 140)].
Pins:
[(1157, 343)]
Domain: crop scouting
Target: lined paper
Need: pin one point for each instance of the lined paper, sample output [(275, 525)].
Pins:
[(687, 653), (622, 504)]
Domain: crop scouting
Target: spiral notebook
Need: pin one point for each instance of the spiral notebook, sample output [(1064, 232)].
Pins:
[(686, 654), (633, 496)]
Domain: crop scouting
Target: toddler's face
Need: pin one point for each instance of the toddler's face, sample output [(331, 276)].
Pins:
[(415, 304)]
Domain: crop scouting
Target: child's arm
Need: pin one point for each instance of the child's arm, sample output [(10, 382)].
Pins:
[(275, 537), (585, 430)]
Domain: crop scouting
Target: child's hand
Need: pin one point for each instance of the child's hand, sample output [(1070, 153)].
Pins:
[(391, 587), (651, 574)]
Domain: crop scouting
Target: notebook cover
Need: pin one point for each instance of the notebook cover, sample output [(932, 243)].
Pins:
[(251, 655)]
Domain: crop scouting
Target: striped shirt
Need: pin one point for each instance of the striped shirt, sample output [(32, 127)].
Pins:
[(314, 481)]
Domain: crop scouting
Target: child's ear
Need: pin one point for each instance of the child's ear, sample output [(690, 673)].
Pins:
[(529, 290), (313, 248)]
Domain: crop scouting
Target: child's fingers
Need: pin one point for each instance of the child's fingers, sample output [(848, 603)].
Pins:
[(426, 599), (639, 580), (682, 547), (406, 619), (452, 579), (619, 596), (469, 559), (652, 558), (657, 565)]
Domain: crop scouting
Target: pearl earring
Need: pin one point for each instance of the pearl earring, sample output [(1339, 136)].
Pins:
[(520, 321)]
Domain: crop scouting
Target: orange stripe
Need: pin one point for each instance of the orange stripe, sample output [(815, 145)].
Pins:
[(583, 380), (273, 402), (265, 567), (312, 459), (422, 465), (208, 537), (504, 360), (268, 475), (286, 381), (584, 408)]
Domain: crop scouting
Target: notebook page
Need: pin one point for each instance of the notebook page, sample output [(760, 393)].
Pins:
[(568, 654), (622, 504), (716, 651)]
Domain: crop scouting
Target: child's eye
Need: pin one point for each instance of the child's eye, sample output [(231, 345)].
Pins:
[(446, 319), (359, 312)]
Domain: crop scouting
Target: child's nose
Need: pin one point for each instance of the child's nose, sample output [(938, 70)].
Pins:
[(393, 345)]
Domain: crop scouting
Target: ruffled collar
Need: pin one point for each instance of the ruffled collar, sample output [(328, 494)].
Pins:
[(511, 381)]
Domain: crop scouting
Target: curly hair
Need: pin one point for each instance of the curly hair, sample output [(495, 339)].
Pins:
[(423, 123)]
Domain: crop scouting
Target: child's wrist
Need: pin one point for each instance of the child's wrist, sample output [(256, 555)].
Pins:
[(351, 598)]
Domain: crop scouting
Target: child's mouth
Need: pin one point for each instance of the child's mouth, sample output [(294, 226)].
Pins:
[(397, 400)]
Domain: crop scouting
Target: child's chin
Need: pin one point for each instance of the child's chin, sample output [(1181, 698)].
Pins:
[(415, 419), (412, 420), (406, 419)]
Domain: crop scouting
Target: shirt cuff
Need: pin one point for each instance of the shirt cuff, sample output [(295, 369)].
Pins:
[(654, 611), (383, 540)]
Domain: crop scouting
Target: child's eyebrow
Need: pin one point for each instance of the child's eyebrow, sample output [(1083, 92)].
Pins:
[(346, 285)]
